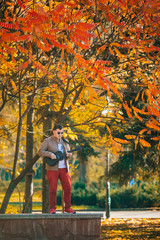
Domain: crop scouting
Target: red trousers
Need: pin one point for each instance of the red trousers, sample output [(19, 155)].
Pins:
[(65, 179)]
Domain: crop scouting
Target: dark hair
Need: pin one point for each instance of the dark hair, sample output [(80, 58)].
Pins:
[(57, 126)]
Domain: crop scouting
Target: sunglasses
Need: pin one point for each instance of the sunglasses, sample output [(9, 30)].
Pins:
[(60, 132)]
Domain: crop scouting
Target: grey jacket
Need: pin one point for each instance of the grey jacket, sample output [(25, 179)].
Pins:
[(49, 146)]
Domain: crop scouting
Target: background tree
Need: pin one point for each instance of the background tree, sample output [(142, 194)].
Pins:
[(27, 206), (29, 54), (82, 50)]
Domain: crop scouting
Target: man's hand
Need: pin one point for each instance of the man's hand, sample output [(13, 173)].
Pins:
[(53, 156), (69, 155)]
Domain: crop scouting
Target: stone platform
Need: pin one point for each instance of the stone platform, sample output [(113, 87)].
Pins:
[(79, 226)]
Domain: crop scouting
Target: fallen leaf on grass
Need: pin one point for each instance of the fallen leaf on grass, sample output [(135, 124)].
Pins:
[(135, 228)]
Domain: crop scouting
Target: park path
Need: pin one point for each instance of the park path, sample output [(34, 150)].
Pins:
[(126, 214), (135, 214)]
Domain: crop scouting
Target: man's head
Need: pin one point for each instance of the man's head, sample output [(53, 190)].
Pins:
[(58, 131)]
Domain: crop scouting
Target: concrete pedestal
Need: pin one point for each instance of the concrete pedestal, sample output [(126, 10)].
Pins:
[(78, 226)]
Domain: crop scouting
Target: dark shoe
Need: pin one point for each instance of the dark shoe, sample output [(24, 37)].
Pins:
[(53, 211), (69, 210)]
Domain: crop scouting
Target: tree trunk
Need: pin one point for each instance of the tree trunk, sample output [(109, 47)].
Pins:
[(14, 183), (15, 180), (159, 171), (108, 199), (27, 206), (82, 176), (47, 126), (7, 196), (45, 191)]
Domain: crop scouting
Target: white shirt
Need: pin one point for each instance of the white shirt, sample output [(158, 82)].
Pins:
[(61, 164)]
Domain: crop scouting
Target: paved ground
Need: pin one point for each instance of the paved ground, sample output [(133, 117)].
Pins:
[(129, 214), (135, 214), (126, 214)]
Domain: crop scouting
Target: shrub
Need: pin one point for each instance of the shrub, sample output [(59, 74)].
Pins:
[(84, 196), (147, 195), (81, 194), (124, 198), (78, 185), (101, 199)]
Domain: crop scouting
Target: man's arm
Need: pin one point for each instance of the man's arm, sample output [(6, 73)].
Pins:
[(43, 150)]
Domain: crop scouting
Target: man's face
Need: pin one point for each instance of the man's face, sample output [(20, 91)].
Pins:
[(58, 133)]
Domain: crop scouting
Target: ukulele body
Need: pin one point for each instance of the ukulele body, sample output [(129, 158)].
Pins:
[(59, 156)]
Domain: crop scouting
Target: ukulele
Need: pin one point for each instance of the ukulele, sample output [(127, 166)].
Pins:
[(59, 156)]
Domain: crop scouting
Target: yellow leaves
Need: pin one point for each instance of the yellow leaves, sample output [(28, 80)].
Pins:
[(63, 25), (137, 110), (64, 75), (21, 4), (101, 49), (137, 116), (154, 121), (153, 111), (69, 45), (112, 18), (144, 143), (130, 136), (128, 111), (139, 139), (13, 85), (58, 45), (51, 4), (80, 34), (21, 49), (114, 89), (111, 51), (6, 65), (23, 66), (40, 67), (117, 45), (108, 130), (85, 26), (118, 53), (2, 122), (150, 97), (153, 126), (43, 47), (158, 74), (121, 141), (91, 93), (7, 25), (129, 228), (115, 147), (119, 116), (115, 144), (142, 131), (156, 138), (83, 35), (70, 134), (75, 40)]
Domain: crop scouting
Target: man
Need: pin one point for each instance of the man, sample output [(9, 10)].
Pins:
[(60, 171)]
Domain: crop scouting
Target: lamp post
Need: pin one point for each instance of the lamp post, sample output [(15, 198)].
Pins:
[(108, 198)]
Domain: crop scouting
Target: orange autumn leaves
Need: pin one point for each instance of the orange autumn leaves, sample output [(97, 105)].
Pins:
[(136, 228), (74, 28)]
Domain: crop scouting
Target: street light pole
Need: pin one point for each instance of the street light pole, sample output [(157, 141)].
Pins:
[(108, 199)]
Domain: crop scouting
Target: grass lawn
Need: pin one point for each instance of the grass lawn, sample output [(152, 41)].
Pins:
[(15, 205), (113, 228), (126, 229)]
